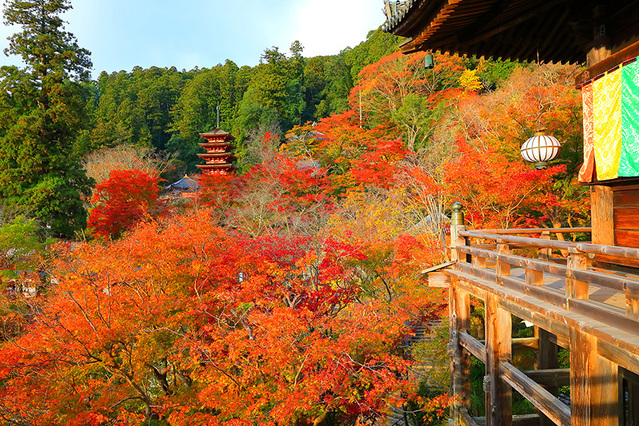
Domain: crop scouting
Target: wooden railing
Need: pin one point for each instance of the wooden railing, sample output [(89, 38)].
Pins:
[(577, 272), (591, 310)]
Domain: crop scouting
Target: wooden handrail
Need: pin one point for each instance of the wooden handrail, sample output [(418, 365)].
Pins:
[(602, 279), (605, 314), (615, 251), (536, 230)]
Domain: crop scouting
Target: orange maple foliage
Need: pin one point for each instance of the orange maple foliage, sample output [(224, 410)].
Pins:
[(185, 321)]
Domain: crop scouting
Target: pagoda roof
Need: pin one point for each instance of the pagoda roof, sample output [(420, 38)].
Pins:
[(214, 166), (227, 155), (217, 144), (218, 133), (551, 31)]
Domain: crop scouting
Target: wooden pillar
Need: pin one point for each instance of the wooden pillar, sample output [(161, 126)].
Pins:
[(459, 321), (459, 311), (457, 226), (498, 346), (594, 393), (546, 359), (602, 215)]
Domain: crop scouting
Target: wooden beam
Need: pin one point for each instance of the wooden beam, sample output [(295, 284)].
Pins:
[(553, 377), (474, 346), (595, 248), (611, 351), (503, 268), (608, 63), (605, 314), (543, 400), (552, 318)]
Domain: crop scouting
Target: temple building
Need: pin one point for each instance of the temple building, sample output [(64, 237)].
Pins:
[(219, 156), (579, 296)]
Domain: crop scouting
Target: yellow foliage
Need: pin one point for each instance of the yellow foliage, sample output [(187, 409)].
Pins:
[(469, 80)]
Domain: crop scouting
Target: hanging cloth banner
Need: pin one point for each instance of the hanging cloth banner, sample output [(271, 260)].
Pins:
[(587, 169), (611, 125), (607, 115), (629, 159)]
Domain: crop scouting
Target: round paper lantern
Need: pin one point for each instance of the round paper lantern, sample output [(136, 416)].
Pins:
[(540, 149)]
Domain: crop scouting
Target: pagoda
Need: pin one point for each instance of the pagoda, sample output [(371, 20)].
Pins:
[(219, 155)]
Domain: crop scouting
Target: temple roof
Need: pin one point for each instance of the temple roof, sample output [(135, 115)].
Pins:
[(185, 184), (553, 31), (218, 134)]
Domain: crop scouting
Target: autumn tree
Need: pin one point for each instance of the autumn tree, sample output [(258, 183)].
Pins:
[(43, 113), (122, 200), (211, 327)]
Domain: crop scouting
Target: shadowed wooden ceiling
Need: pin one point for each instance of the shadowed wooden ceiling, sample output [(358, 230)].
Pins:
[(557, 31)]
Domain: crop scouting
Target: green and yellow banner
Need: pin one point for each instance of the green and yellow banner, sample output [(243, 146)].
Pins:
[(611, 125)]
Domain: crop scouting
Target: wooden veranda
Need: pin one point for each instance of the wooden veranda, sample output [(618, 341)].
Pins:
[(573, 303)]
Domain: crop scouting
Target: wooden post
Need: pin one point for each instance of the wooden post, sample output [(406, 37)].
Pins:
[(459, 310), (498, 346), (503, 268), (534, 278), (456, 226), (594, 393), (574, 288), (545, 253), (632, 302), (459, 321), (546, 360)]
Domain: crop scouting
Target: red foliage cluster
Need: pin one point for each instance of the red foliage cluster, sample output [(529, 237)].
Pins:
[(123, 200)]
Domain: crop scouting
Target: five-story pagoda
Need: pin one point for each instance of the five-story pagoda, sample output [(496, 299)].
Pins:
[(218, 154)]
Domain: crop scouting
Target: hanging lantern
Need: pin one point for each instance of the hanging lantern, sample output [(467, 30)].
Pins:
[(428, 62), (540, 149)]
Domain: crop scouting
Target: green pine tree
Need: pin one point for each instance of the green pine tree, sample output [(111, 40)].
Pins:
[(42, 112)]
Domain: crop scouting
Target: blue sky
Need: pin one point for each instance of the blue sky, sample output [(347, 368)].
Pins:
[(186, 33)]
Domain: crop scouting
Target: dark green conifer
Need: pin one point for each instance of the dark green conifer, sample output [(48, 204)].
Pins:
[(41, 113)]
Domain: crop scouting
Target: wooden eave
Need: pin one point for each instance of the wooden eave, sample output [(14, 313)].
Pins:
[(557, 31), (207, 145), (210, 155), (215, 166), (218, 134)]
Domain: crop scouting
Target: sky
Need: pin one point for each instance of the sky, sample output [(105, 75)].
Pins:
[(122, 34)]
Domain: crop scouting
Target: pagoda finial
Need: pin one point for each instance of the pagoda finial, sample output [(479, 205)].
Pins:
[(218, 114)]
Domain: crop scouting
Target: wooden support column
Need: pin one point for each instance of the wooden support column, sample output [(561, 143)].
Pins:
[(594, 393), (459, 322), (459, 311), (498, 346), (546, 360)]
